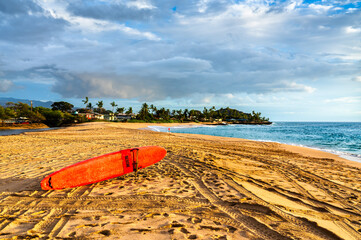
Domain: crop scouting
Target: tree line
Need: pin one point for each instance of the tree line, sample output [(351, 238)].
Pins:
[(62, 113), (89, 107), (51, 117), (152, 113)]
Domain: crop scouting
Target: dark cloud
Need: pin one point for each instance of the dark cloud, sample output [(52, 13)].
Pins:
[(97, 85), (19, 7), (198, 48), (153, 88), (109, 11), (181, 77), (29, 29), (44, 71), (127, 10), (27, 23)]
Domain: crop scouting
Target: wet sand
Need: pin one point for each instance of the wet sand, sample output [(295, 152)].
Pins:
[(23, 126), (205, 188)]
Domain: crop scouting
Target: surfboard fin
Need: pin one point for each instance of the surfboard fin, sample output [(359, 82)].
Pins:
[(135, 161)]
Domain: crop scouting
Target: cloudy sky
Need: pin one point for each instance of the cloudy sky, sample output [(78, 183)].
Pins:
[(289, 59)]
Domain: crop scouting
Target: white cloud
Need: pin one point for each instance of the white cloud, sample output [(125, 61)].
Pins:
[(357, 79), (350, 29), (293, 4), (300, 87), (344, 100), (88, 25), (286, 86), (140, 4), (211, 51), (5, 85), (92, 25), (320, 8), (177, 64)]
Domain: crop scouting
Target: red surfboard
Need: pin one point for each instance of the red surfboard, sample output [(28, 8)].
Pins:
[(104, 167)]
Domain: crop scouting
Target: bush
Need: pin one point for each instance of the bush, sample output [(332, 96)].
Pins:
[(68, 118), (53, 118), (35, 117)]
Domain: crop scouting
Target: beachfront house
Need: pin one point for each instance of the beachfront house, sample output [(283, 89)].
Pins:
[(124, 116), (87, 115), (98, 116), (109, 117)]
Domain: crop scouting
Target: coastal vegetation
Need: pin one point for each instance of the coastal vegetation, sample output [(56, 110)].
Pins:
[(63, 113), (60, 114), (151, 113)]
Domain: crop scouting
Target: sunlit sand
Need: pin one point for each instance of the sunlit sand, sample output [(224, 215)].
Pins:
[(205, 188)]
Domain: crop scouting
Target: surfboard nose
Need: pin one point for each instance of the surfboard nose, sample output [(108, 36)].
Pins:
[(45, 184), (162, 151)]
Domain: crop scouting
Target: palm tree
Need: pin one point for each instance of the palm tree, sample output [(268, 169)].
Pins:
[(86, 100), (90, 106), (179, 114), (100, 106), (130, 110), (120, 110), (153, 108), (144, 112), (186, 113), (113, 104)]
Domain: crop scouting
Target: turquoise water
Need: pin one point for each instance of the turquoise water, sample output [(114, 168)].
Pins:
[(341, 138)]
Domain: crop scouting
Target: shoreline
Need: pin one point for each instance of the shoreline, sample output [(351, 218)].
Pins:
[(206, 187), (293, 147), (24, 126), (344, 156)]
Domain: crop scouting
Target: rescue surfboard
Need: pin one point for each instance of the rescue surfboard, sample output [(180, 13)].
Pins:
[(103, 167)]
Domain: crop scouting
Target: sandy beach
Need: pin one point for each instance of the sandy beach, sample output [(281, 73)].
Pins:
[(205, 188)]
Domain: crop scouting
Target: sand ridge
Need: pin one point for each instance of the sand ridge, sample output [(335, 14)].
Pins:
[(205, 188)]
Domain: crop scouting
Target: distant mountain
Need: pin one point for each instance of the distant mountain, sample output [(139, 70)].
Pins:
[(36, 103)]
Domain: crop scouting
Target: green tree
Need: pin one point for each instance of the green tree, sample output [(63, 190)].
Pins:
[(113, 104), (167, 114), (163, 114), (186, 114), (3, 115), (85, 101), (90, 106), (144, 113), (179, 114), (36, 117), (17, 110), (62, 106), (153, 108), (100, 106), (205, 113), (68, 118), (120, 110), (130, 110), (10, 112), (53, 118), (194, 114)]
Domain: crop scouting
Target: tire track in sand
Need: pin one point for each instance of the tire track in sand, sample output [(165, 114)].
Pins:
[(304, 224), (246, 222)]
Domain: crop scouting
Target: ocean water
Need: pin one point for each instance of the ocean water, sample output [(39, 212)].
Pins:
[(341, 138), (19, 131)]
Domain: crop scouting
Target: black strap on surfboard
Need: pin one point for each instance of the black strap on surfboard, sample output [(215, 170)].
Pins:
[(49, 182), (135, 161)]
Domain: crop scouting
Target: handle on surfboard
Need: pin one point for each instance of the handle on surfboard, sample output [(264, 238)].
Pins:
[(135, 161)]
